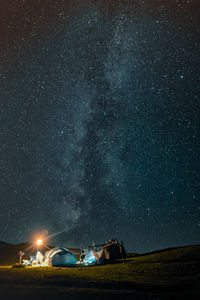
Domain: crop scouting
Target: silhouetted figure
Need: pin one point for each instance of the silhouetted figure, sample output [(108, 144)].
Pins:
[(21, 254)]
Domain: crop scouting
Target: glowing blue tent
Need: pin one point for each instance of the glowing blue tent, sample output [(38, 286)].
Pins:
[(61, 257), (91, 258)]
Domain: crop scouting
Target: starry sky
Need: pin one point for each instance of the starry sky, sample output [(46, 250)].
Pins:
[(99, 122)]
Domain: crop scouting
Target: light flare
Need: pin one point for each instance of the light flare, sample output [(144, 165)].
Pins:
[(39, 242)]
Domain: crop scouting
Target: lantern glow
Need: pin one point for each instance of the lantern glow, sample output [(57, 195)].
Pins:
[(39, 242)]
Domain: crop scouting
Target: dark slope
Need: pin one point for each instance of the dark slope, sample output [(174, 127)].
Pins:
[(174, 254), (3, 244), (9, 253)]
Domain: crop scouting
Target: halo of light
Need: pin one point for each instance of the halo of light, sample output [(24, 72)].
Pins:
[(39, 242)]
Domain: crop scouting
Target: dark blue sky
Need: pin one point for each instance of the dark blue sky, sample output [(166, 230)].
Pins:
[(99, 122)]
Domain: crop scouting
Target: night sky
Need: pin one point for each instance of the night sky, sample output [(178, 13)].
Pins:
[(99, 122)]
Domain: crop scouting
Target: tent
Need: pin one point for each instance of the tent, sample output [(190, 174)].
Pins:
[(111, 251), (61, 257), (91, 258)]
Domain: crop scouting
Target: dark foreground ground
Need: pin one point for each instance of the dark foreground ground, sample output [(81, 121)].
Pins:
[(169, 274)]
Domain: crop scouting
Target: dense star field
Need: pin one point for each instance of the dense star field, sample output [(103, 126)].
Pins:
[(99, 122)]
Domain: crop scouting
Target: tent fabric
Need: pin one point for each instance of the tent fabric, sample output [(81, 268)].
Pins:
[(61, 257), (91, 258), (111, 251)]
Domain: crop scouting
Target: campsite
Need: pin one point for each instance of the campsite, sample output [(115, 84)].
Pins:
[(166, 274)]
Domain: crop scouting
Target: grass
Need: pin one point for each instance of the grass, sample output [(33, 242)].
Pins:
[(165, 273)]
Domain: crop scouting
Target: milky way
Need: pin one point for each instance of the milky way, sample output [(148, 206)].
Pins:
[(99, 131)]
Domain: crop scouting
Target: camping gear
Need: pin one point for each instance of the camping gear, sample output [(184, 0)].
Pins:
[(111, 251), (60, 257), (91, 258)]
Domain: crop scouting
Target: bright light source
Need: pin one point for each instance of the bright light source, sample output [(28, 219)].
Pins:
[(39, 242)]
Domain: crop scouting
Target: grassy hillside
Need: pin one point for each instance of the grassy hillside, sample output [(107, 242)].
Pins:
[(169, 274)]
